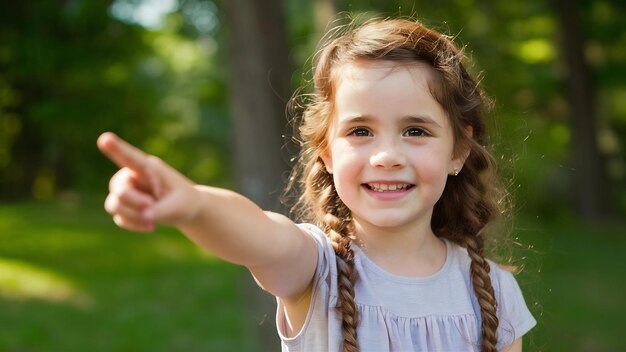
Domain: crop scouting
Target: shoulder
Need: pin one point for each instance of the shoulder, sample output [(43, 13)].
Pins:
[(502, 279), (326, 253), (501, 275), (514, 316), (314, 232), (513, 313)]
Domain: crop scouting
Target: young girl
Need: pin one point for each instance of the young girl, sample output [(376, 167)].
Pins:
[(396, 191)]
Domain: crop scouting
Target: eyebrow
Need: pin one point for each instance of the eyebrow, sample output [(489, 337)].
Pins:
[(421, 120), (409, 119)]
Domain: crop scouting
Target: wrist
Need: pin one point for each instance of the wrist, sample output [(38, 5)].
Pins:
[(194, 208)]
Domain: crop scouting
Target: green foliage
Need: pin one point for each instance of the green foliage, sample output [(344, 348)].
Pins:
[(71, 72), (65, 66), (73, 69)]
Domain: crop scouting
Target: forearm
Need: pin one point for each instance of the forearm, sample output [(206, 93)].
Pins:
[(230, 226), (279, 254)]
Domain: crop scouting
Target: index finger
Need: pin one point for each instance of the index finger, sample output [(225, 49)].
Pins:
[(121, 152)]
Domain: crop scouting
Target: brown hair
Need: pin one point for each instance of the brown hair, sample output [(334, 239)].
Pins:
[(468, 201)]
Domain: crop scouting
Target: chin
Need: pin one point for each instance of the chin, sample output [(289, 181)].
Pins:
[(386, 221)]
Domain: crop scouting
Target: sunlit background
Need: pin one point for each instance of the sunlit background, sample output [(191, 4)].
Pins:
[(204, 85)]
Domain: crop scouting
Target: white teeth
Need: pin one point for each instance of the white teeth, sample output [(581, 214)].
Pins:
[(378, 187)]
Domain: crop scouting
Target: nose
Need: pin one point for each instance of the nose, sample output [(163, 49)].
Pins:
[(388, 156)]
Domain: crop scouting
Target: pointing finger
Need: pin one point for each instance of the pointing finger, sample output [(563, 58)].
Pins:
[(122, 153), (128, 156)]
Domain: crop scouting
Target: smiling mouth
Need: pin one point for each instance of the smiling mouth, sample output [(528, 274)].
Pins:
[(383, 187)]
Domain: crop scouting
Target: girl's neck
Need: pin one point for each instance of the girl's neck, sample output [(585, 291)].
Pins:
[(414, 251)]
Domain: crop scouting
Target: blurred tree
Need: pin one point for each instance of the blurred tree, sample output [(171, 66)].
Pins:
[(259, 89), (63, 64), (323, 12), (73, 69), (590, 193)]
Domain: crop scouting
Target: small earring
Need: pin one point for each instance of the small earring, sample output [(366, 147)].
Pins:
[(456, 172)]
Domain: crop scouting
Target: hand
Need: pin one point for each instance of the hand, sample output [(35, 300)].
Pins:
[(145, 191)]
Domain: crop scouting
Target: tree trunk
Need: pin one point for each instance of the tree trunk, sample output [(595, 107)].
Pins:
[(589, 186), (259, 90)]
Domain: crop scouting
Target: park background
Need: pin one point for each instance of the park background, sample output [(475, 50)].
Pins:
[(204, 84)]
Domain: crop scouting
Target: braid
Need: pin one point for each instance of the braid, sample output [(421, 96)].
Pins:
[(346, 280), (472, 200), (468, 207), (337, 224), (479, 270)]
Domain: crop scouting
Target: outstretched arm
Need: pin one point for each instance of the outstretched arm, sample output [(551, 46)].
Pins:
[(146, 192)]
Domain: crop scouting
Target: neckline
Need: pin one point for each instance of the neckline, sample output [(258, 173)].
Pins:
[(371, 267)]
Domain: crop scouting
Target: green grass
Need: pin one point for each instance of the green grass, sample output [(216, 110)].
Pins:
[(574, 281), (71, 281)]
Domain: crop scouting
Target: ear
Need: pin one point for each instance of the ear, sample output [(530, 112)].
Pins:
[(328, 161), (460, 155)]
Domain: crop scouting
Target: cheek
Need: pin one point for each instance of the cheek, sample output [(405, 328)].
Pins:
[(347, 168), (346, 171), (344, 158), (432, 169)]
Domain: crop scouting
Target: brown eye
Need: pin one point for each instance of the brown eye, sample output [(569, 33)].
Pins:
[(414, 132), (359, 132)]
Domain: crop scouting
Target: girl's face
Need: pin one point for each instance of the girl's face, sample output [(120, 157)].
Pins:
[(390, 145)]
